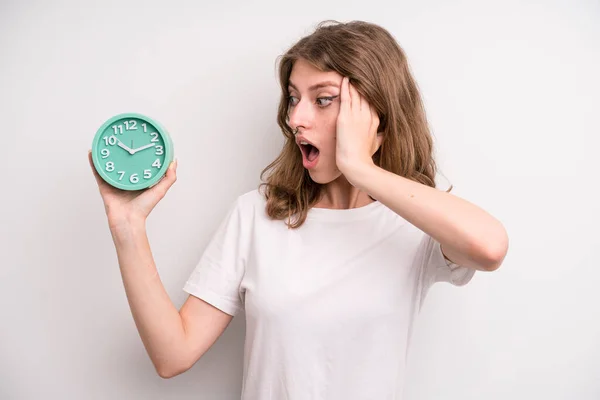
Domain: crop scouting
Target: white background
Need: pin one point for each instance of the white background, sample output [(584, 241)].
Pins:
[(512, 94)]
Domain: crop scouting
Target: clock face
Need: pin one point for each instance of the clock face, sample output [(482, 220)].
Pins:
[(131, 151)]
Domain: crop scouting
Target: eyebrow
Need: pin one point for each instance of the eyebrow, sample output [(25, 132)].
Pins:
[(316, 86)]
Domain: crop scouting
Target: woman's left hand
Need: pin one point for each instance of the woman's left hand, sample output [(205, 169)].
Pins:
[(356, 128)]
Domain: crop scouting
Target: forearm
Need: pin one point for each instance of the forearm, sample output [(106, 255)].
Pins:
[(158, 321), (469, 235)]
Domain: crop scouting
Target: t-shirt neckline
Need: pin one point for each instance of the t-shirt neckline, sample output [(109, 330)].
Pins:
[(343, 214)]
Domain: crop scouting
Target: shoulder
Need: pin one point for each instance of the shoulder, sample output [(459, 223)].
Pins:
[(249, 205), (250, 200)]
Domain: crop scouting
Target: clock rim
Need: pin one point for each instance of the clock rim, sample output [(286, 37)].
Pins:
[(144, 184)]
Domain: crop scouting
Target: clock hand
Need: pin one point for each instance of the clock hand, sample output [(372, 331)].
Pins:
[(121, 145), (142, 148)]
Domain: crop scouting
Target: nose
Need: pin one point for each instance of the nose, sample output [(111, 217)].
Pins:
[(301, 115)]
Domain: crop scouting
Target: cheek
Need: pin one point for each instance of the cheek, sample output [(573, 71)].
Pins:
[(329, 129)]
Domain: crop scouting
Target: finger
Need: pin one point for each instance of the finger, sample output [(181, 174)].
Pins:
[(345, 101), (361, 100), (162, 187), (97, 176), (356, 98)]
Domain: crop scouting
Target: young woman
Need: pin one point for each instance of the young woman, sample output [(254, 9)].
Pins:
[(332, 256)]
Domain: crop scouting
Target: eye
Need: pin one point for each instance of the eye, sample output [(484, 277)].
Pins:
[(325, 101), (292, 101)]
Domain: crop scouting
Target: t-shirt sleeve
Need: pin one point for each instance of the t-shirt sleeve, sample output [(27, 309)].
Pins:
[(217, 277), (436, 268)]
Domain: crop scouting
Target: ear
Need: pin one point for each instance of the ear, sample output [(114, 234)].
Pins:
[(379, 139), (377, 123)]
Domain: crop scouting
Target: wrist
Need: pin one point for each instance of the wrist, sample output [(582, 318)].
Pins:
[(360, 175), (125, 226)]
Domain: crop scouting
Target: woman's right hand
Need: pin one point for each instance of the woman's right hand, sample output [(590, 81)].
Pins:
[(124, 206)]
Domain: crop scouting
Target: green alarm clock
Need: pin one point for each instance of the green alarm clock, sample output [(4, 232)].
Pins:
[(132, 151)]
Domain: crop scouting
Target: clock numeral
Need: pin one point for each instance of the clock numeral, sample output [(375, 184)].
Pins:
[(133, 126), (110, 140), (159, 151), (121, 174), (147, 174), (129, 126), (157, 163), (110, 166), (155, 136), (145, 127), (105, 153), (134, 178)]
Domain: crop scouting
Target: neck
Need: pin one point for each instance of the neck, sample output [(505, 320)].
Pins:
[(340, 194)]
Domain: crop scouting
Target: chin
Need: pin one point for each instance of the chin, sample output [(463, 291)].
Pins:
[(324, 177)]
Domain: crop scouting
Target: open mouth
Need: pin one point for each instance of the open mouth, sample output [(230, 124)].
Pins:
[(309, 151)]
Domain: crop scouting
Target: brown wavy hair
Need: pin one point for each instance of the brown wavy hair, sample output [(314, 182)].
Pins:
[(377, 66)]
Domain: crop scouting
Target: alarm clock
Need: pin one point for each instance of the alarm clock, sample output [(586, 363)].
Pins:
[(131, 151)]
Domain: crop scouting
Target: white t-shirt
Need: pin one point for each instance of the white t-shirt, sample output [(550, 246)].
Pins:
[(329, 306)]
